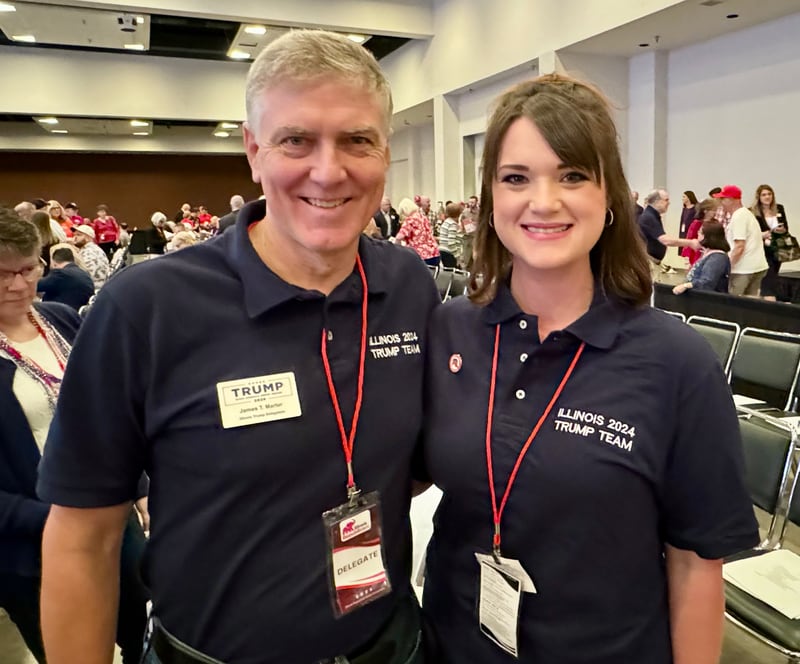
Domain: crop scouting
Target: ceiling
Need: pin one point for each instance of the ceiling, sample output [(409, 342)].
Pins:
[(78, 28), (684, 24)]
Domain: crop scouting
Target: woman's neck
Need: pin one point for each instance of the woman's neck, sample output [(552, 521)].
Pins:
[(556, 297), (18, 328)]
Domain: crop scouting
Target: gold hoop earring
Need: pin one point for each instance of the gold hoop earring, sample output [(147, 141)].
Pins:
[(491, 219), (609, 222)]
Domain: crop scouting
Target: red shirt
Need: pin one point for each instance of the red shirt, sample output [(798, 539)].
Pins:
[(106, 230), (691, 234), (417, 233)]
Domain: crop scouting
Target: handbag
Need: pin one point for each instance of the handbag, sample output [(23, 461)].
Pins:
[(784, 247)]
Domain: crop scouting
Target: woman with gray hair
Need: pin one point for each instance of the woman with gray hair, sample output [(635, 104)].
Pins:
[(416, 232)]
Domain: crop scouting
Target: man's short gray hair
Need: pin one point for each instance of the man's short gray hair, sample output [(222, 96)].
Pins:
[(311, 55), (653, 196)]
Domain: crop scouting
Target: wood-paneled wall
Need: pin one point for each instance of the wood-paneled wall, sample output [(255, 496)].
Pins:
[(132, 185)]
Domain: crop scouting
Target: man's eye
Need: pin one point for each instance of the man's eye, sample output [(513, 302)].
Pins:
[(294, 141), (360, 140)]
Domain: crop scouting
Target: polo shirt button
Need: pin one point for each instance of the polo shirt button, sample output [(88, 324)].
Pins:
[(520, 394), (523, 357), (523, 324), (330, 335)]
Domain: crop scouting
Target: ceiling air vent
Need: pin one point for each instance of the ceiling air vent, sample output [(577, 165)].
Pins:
[(711, 3)]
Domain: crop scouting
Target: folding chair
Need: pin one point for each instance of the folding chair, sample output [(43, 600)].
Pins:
[(459, 283), (434, 270), (766, 365), (720, 334), (753, 616), (444, 281), (675, 314)]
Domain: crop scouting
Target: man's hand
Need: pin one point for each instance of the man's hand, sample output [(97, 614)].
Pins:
[(144, 514)]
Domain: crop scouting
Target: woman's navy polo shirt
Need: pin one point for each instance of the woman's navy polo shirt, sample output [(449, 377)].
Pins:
[(237, 557), (641, 449)]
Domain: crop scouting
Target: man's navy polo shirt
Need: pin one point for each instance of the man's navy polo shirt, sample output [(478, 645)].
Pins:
[(237, 556), (652, 228), (69, 285), (641, 449)]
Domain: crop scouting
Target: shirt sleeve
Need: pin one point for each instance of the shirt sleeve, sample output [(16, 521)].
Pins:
[(96, 448), (47, 283), (739, 224), (710, 272), (706, 506)]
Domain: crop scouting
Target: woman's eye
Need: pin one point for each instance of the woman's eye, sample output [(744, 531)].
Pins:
[(574, 177), (514, 178)]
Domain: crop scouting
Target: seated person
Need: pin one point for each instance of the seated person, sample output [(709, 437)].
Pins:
[(66, 282), (713, 270)]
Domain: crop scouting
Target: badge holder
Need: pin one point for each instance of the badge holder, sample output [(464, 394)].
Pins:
[(502, 582), (356, 569)]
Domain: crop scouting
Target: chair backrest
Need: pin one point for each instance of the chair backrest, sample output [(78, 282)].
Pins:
[(459, 284), (447, 258), (444, 280), (434, 269), (766, 449), (675, 314), (720, 334), (766, 366)]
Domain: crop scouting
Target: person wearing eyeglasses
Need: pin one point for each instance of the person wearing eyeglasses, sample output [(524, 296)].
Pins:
[(35, 342)]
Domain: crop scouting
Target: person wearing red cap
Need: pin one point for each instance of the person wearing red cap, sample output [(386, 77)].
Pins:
[(748, 263)]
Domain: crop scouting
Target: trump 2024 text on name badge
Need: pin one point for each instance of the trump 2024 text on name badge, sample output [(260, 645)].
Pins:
[(258, 399)]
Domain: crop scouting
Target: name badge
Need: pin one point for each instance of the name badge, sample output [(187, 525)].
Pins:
[(503, 580), (356, 568), (258, 399)]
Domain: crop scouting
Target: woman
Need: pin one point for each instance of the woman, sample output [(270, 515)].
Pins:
[(150, 240), (35, 342), (688, 207), (712, 272), (772, 219), (106, 229), (416, 232), (41, 220), (705, 211), (450, 230), (58, 215), (580, 456)]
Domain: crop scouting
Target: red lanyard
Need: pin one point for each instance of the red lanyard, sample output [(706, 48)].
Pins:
[(349, 440), (498, 513)]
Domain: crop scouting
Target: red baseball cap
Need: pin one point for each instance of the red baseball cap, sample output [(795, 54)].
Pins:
[(730, 191)]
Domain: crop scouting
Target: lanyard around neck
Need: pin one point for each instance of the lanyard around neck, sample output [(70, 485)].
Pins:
[(497, 513), (348, 441)]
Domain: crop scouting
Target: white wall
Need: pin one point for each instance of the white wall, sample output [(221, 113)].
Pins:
[(734, 105), (412, 169)]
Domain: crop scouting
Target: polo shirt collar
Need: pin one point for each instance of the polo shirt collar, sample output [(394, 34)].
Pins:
[(598, 327), (264, 290)]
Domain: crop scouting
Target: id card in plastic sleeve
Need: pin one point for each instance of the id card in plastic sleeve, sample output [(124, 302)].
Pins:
[(356, 559)]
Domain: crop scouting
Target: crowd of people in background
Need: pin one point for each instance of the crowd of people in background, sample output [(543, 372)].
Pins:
[(730, 248)]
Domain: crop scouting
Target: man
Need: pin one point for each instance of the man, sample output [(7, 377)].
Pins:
[(92, 256), (425, 207), (66, 282), (469, 224), (228, 220), (71, 211), (255, 550), (652, 229), (25, 210), (387, 219), (184, 212), (748, 262), (637, 209)]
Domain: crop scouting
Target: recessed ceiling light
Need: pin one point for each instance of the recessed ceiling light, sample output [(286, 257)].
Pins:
[(24, 38), (134, 47), (643, 45), (358, 39), (141, 133), (732, 16), (47, 120), (6, 7), (237, 54), (221, 134), (255, 30), (228, 125), (139, 123), (140, 20), (59, 131)]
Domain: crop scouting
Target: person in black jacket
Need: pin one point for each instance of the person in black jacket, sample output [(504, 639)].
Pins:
[(387, 219), (35, 342), (772, 219), (67, 283)]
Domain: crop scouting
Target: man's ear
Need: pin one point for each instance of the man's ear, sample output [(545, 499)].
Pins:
[(251, 148)]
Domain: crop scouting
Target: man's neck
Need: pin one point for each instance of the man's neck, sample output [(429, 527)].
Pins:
[(555, 298), (305, 269)]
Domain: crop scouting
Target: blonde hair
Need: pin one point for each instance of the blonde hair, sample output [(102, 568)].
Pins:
[(312, 55), (407, 207)]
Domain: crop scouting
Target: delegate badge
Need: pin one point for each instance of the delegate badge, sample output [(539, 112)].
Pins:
[(356, 568)]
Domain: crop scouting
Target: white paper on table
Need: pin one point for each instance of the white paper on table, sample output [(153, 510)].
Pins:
[(742, 400), (773, 578)]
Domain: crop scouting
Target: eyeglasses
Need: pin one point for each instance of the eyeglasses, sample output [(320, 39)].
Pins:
[(29, 274)]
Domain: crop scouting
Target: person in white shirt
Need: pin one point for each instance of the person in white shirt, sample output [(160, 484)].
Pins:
[(93, 257), (748, 263)]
